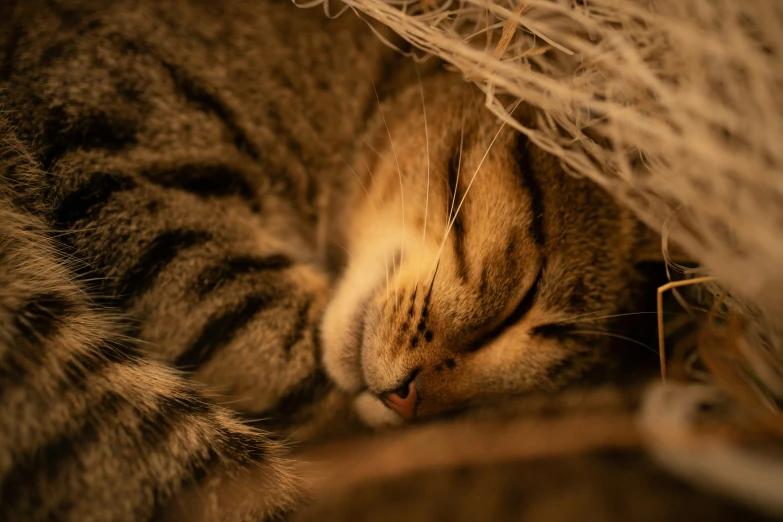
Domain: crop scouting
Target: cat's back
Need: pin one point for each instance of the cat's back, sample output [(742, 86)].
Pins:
[(263, 83), (130, 131)]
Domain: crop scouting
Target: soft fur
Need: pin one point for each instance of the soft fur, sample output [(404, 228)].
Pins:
[(180, 184), (477, 265)]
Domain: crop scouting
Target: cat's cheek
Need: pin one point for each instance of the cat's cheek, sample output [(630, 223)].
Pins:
[(373, 412), (339, 353)]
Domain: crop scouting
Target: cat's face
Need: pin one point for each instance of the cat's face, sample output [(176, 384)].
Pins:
[(471, 256)]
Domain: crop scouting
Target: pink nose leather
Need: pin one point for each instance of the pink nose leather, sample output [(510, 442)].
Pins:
[(405, 406)]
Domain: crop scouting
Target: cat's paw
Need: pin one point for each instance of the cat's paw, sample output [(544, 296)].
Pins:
[(374, 413)]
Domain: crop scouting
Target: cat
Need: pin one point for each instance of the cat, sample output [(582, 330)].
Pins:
[(477, 268), (179, 181)]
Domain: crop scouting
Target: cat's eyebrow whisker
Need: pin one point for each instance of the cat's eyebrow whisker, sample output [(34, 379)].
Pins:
[(402, 196), (427, 201), (470, 184), (432, 285), (478, 115), (459, 166)]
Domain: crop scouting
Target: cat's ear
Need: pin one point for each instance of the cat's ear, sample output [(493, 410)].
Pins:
[(650, 249)]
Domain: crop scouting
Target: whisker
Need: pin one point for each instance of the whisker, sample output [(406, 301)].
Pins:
[(427, 201), (582, 319), (402, 196), (74, 231), (369, 172), (570, 319), (478, 114), (373, 149), (470, 184), (432, 285), (459, 166), (615, 336), (343, 248)]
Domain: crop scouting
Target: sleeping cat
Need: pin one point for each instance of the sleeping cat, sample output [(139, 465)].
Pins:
[(477, 267), (179, 181)]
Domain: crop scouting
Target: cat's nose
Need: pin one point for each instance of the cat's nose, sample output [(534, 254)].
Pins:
[(402, 400)]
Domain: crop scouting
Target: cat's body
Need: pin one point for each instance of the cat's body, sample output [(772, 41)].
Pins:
[(163, 157), (177, 151), (177, 181)]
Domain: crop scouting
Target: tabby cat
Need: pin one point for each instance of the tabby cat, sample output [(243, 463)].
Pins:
[(200, 201)]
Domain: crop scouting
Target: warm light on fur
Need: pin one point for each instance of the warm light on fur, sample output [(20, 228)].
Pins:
[(433, 276), (675, 106)]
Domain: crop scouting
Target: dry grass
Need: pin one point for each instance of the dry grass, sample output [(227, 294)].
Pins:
[(675, 106)]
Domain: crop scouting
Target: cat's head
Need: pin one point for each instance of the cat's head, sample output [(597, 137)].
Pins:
[(477, 266)]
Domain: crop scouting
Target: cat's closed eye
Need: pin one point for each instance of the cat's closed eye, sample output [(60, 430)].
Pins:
[(499, 249), (501, 324)]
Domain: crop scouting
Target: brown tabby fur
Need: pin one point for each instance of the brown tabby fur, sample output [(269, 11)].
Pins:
[(531, 252), (177, 181)]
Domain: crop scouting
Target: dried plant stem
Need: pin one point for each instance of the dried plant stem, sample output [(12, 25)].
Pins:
[(661, 290), (509, 29)]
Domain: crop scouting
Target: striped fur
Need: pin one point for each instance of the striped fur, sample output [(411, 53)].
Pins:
[(480, 268), (192, 215), (77, 394), (177, 182), (158, 249)]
